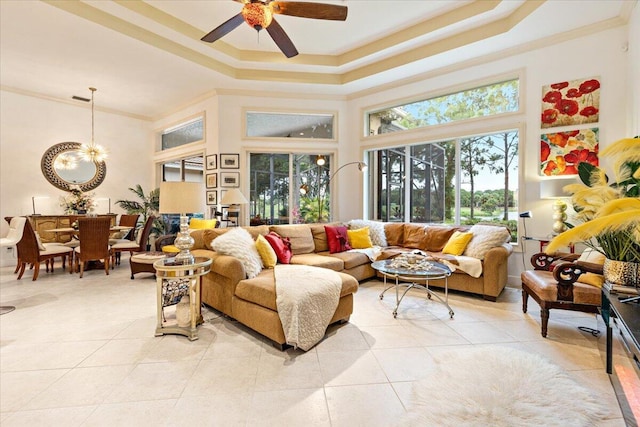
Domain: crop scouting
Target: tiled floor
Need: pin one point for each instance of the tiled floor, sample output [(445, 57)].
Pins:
[(82, 352)]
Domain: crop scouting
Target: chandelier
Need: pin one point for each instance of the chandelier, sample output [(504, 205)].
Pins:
[(93, 152)]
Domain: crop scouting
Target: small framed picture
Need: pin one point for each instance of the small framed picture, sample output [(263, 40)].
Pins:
[(230, 179), (212, 197), (212, 180), (229, 161), (212, 161)]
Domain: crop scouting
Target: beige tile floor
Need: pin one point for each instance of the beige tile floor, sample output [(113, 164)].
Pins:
[(82, 352)]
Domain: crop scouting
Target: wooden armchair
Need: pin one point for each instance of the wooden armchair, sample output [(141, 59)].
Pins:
[(94, 242), (553, 284), (31, 251), (133, 246)]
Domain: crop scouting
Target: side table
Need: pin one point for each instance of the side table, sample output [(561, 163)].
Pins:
[(168, 268)]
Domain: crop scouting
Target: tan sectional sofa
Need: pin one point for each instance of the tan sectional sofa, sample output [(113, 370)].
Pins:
[(253, 301)]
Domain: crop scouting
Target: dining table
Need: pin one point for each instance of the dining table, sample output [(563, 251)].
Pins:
[(71, 230)]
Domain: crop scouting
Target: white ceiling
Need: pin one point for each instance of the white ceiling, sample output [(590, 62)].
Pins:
[(146, 58)]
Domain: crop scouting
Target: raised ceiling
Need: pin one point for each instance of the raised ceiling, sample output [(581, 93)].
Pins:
[(146, 57)]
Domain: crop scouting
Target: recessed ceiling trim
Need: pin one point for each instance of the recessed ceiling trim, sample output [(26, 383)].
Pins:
[(443, 45)]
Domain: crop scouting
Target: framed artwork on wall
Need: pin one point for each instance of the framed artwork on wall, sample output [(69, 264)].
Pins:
[(212, 180), (212, 161), (229, 161), (230, 179), (561, 152), (571, 103), (212, 197)]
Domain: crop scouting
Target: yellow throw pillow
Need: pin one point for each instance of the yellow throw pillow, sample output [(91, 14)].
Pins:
[(359, 239), (170, 249), (268, 255), (591, 279), (199, 224), (457, 243)]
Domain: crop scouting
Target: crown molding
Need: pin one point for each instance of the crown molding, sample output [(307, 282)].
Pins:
[(78, 104)]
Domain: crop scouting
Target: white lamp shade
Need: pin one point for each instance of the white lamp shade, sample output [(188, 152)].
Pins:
[(182, 197), (233, 197)]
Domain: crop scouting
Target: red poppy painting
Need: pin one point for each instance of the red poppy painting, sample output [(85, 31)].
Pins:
[(562, 152), (571, 103)]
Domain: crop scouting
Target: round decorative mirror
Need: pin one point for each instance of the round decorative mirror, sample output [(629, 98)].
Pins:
[(63, 166)]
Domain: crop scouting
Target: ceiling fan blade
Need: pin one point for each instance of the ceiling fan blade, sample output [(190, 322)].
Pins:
[(224, 29), (282, 39), (310, 10)]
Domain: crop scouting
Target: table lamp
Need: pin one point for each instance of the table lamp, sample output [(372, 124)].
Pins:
[(234, 198), (553, 189), (182, 198)]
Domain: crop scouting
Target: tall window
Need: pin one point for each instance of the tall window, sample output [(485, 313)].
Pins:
[(465, 180), (289, 188)]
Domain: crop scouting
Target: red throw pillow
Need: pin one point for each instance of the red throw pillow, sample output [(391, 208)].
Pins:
[(337, 239), (281, 246)]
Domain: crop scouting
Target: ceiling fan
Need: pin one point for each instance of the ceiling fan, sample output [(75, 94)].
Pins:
[(259, 14)]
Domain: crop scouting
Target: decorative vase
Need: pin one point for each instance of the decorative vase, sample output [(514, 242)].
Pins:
[(622, 272), (183, 312)]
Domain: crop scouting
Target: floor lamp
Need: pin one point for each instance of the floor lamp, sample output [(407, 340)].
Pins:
[(182, 197), (234, 198), (362, 166)]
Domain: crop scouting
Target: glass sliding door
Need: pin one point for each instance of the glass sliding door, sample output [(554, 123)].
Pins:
[(289, 188)]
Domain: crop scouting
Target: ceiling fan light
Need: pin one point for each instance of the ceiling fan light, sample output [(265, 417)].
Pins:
[(257, 15)]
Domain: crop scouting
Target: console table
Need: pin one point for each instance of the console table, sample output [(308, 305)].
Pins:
[(43, 223), (625, 379)]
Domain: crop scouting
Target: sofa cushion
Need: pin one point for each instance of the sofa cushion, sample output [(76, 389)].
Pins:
[(239, 243), (437, 237), (350, 259), (267, 254), (486, 237), (199, 223), (394, 231), (257, 230), (359, 239), (317, 260), (281, 246), (376, 230), (337, 238), (457, 243), (300, 236), (320, 236), (414, 236), (261, 289)]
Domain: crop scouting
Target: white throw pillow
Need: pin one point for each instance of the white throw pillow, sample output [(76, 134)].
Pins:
[(485, 237), (239, 243), (592, 256), (376, 230)]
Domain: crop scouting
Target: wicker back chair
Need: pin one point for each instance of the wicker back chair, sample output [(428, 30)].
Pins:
[(30, 252), (131, 247), (130, 221), (94, 242)]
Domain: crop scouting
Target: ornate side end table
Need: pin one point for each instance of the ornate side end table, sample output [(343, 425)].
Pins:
[(167, 269)]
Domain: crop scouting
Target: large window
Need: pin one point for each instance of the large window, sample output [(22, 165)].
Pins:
[(489, 100), (463, 181), (289, 188), (290, 125)]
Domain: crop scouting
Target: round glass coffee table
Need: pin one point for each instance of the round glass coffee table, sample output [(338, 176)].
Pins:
[(411, 273)]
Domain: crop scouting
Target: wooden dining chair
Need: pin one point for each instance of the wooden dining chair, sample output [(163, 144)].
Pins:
[(94, 242), (135, 246), (32, 252), (123, 237)]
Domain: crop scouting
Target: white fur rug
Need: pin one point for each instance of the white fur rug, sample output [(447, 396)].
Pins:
[(500, 387)]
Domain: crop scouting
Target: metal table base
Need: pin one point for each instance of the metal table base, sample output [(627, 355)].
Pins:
[(410, 283)]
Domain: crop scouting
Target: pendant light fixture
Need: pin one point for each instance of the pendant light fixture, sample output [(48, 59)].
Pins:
[(93, 152)]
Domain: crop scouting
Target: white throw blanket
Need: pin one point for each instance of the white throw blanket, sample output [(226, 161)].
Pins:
[(471, 266), (306, 298)]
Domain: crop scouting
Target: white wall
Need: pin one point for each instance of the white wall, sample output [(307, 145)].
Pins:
[(601, 54), (29, 126)]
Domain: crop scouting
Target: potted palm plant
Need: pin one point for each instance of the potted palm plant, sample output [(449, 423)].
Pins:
[(609, 212), (148, 205)]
